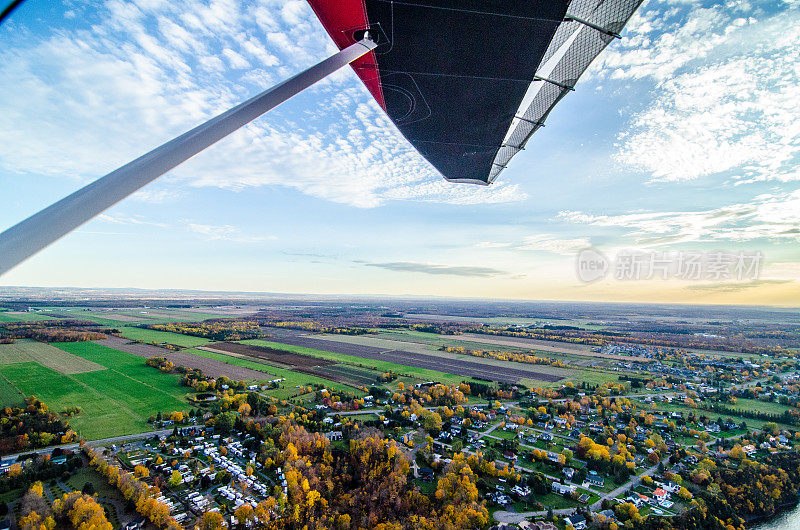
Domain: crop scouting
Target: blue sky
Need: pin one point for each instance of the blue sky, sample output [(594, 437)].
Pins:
[(683, 136)]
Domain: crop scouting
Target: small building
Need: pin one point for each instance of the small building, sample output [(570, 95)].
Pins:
[(562, 489), (577, 521), (426, 474)]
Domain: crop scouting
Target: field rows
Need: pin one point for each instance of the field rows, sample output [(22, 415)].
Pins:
[(46, 355), (115, 400)]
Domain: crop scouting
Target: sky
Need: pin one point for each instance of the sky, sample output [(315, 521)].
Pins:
[(682, 140)]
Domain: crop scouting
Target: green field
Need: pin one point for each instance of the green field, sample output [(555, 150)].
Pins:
[(116, 400), (679, 407), (22, 317), (9, 395), (127, 364), (46, 355), (159, 337), (759, 406)]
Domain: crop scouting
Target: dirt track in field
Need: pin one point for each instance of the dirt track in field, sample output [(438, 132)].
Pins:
[(286, 359), (296, 362)]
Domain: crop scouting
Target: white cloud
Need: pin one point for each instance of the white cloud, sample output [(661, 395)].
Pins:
[(727, 91), (547, 243), (80, 103), (769, 216), (224, 233), (121, 219), (234, 59), (492, 244)]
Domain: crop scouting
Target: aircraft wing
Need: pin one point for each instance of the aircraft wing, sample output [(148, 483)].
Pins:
[(468, 82)]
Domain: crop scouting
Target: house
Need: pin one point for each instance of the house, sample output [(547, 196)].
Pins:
[(670, 487), (578, 522), (136, 524), (562, 489), (537, 525), (609, 515), (333, 435), (426, 474), (522, 491), (749, 449), (593, 479), (569, 473)]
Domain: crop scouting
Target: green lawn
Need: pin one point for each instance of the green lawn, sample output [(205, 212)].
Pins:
[(101, 486), (759, 406), (151, 335)]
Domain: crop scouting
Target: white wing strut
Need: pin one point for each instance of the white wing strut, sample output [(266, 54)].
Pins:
[(25, 239)]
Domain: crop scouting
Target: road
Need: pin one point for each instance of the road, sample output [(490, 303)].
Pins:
[(104, 441)]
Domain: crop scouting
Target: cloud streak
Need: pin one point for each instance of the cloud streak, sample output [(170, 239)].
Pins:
[(438, 270), (735, 287), (224, 233), (770, 216)]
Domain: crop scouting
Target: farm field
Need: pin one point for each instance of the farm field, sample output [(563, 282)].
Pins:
[(751, 423), (571, 353), (115, 318), (181, 315), (128, 365), (307, 364), (759, 406), (100, 417), (159, 337), (394, 345), (189, 359), (115, 399), (384, 366), (280, 356), (506, 321), (46, 355), (292, 379), (9, 395), (9, 316), (375, 341), (460, 368)]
